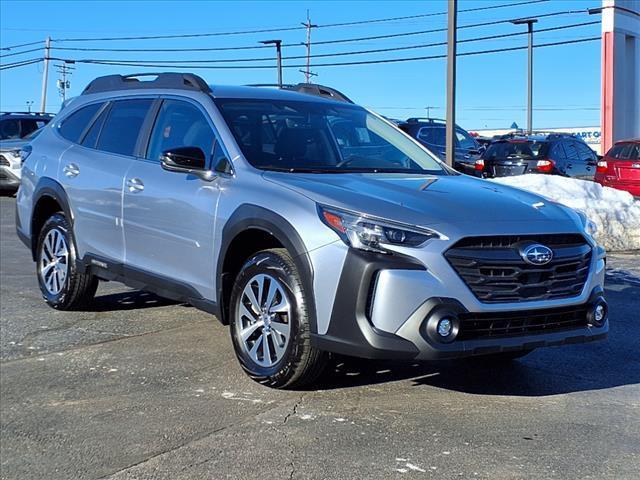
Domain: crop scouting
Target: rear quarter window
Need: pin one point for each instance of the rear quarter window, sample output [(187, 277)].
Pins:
[(73, 126)]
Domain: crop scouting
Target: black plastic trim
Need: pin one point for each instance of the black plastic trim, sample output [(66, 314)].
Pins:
[(48, 187), (249, 216), (106, 269), (350, 330)]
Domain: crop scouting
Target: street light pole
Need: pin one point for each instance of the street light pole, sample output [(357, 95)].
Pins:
[(529, 22), (450, 150), (278, 44)]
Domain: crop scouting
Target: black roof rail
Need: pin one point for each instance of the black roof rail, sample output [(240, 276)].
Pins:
[(181, 81), (310, 89), (320, 91), (425, 119)]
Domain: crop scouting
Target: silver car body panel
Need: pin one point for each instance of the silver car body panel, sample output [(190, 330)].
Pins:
[(174, 227)]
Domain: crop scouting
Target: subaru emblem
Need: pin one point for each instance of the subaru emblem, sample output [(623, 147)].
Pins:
[(536, 254)]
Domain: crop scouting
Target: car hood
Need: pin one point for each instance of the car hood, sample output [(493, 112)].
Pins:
[(456, 200)]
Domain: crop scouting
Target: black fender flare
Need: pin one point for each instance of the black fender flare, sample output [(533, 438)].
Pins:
[(47, 187), (249, 216)]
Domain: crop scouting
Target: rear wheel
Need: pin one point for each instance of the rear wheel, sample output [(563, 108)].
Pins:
[(63, 286), (270, 322)]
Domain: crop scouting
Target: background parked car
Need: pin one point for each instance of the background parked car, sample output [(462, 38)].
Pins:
[(431, 133), (16, 125), (550, 153), (620, 167), (11, 161)]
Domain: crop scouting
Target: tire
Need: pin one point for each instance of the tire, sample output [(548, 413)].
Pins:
[(62, 285), (287, 361)]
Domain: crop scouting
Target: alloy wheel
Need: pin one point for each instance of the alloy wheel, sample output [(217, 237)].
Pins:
[(54, 261), (264, 319)]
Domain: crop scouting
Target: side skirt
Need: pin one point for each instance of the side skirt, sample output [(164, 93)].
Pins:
[(139, 279)]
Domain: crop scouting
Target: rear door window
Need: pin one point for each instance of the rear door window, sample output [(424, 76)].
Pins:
[(584, 151), (433, 135), (557, 152), (572, 151), (75, 124), (122, 127)]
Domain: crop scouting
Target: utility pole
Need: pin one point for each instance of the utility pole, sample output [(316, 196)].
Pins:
[(529, 22), (307, 72), (452, 15), (45, 75), (428, 109), (278, 44), (62, 83)]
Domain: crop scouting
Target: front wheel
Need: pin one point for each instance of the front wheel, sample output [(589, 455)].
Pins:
[(63, 286), (270, 322)]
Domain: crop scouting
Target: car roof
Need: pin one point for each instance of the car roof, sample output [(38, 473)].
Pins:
[(629, 140)]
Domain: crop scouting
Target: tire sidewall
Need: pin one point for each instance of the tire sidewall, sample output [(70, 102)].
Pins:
[(270, 263), (57, 221)]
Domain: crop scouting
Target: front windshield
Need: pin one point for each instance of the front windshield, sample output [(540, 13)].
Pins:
[(300, 136)]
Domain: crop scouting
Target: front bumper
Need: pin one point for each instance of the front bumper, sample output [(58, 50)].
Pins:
[(9, 177), (386, 304)]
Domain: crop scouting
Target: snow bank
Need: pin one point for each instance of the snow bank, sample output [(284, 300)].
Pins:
[(615, 212)]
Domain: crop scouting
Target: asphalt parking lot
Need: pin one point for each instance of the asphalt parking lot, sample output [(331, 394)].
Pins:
[(143, 388)]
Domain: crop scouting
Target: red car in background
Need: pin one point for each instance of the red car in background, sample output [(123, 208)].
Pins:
[(620, 167)]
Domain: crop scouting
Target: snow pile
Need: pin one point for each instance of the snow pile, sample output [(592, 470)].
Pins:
[(615, 212)]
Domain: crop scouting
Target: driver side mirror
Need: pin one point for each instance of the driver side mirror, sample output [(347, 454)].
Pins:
[(190, 160)]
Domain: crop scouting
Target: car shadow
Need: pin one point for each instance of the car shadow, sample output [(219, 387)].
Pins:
[(130, 300), (599, 365)]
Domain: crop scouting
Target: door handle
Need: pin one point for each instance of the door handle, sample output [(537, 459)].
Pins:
[(135, 185), (71, 170), (570, 165)]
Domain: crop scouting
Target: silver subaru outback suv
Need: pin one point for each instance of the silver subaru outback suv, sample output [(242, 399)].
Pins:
[(306, 223)]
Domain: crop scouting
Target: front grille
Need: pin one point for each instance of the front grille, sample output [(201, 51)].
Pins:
[(511, 324), (496, 273), (4, 161)]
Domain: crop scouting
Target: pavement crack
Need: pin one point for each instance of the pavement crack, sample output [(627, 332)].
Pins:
[(292, 448)]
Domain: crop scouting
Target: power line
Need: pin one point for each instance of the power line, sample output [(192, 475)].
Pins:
[(443, 29), (292, 28), (8, 66), (358, 52), (425, 15), (364, 62), (324, 42), (21, 45), (21, 52)]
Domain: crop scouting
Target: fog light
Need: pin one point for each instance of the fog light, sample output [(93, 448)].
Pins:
[(444, 327), (598, 313)]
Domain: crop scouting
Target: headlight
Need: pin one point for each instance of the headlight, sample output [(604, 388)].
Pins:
[(589, 226), (370, 233)]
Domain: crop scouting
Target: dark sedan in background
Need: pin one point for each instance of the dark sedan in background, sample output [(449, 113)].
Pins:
[(431, 132), (548, 153)]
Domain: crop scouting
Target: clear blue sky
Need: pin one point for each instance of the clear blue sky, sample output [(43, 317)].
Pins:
[(491, 88)]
